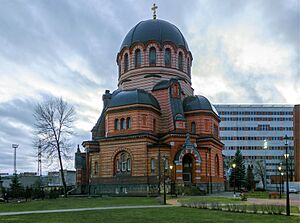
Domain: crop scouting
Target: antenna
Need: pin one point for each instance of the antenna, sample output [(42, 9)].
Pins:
[(15, 146)]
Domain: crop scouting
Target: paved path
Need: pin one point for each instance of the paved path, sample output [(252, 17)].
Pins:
[(85, 209)]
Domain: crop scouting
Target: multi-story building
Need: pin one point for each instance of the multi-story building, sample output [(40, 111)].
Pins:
[(258, 131)]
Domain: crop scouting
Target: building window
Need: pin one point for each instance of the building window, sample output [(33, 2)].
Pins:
[(217, 167), (128, 122), (128, 164), (152, 56), (123, 163), (117, 124), (137, 58), (167, 57), (152, 166), (166, 164), (180, 61), (123, 123), (154, 124), (126, 62), (193, 127), (96, 168), (118, 165), (144, 119), (216, 131)]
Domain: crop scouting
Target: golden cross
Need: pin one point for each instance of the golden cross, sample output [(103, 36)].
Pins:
[(154, 10)]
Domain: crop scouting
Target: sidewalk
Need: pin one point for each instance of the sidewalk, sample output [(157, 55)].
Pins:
[(84, 209)]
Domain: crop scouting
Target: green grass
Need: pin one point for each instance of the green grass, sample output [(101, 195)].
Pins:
[(260, 194), (166, 215), (223, 200), (76, 202)]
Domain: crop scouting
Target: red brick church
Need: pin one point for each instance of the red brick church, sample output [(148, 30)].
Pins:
[(153, 124)]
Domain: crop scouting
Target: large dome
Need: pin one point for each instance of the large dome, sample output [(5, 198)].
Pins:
[(157, 30), (131, 97)]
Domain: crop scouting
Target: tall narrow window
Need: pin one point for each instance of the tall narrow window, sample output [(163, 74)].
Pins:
[(180, 61), (137, 58), (123, 123), (166, 164), (117, 124), (152, 166), (193, 127), (167, 57), (128, 164), (154, 124), (96, 168), (217, 166), (118, 165), (152, 56), (128, 122), (126, 62)]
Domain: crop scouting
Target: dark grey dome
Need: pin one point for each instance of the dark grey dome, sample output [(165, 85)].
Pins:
[(137, 96), (198, 102), (154, 29)]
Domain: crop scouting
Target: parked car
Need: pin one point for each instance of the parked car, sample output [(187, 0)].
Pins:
[(293, 189)]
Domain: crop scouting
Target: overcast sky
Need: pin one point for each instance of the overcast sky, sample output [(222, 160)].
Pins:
[(244, 52)]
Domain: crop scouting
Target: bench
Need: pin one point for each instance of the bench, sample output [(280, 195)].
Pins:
[(274, 194)]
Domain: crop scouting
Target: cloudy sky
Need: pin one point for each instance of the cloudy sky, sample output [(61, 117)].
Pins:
[(244, 52)]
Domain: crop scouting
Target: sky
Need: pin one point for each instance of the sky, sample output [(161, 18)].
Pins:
[(243, 52)]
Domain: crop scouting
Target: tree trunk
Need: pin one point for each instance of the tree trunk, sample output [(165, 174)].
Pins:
[(62, 173)]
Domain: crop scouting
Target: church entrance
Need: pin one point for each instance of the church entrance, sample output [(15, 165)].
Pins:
[(187, 163)]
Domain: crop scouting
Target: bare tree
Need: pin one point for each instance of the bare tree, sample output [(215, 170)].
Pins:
[(259, 170), (54, 119)]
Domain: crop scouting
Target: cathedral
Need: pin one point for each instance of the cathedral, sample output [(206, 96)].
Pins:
[(152, 129)]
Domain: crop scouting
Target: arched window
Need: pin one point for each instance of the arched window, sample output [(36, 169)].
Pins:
[(152, 56), (128, 122), (193, 127), (189, 67), (180, 61), (117, 124), (123, 123), (126, 62), (167, 57), (137, 58), (217, 167), (123, 163)]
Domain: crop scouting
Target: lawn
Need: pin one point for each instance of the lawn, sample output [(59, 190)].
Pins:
[(76, 202), (167, 215), (260, 194), (222, 200)]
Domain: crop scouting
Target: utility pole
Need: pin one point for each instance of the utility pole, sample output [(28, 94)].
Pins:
[(15, 146)]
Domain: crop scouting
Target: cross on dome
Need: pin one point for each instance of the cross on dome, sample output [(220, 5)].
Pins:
[(154, 7)]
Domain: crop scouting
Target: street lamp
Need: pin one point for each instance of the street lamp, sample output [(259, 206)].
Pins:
[(172, 186), (234, 166), (265, 177), (165, 167), (280, 180), (286, 143), (281, 184)]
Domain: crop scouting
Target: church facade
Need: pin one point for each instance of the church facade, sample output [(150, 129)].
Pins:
[(152, 128)]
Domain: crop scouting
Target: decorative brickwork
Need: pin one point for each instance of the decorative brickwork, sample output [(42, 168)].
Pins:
[(145, 127)]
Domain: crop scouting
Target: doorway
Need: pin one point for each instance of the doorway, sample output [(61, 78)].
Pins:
[(187, 173)]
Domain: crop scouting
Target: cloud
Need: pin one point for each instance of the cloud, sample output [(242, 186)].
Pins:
[(244, 51)]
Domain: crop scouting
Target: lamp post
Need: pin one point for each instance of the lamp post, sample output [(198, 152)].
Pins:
[(280, 180), (172, 186), (234, 166), (165, 167), (286, 155), (265, 177), (281, 184)]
